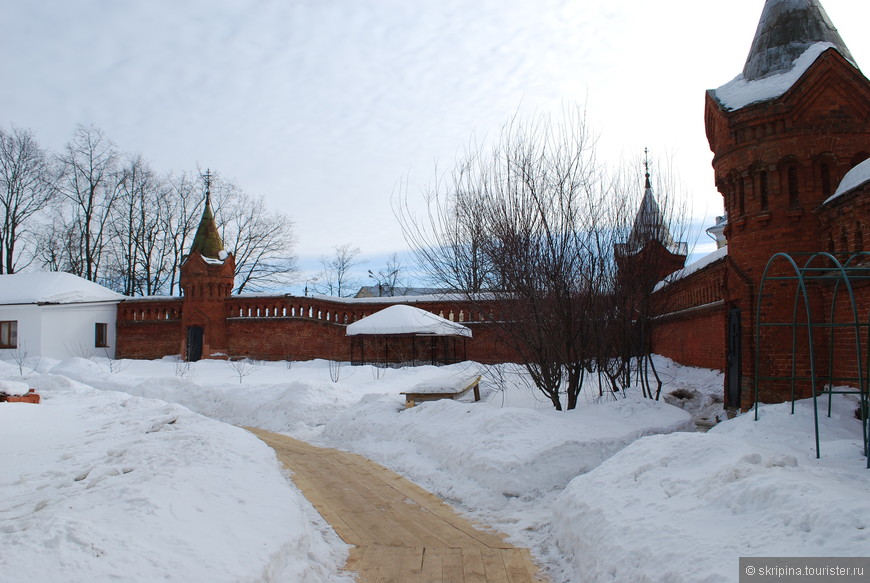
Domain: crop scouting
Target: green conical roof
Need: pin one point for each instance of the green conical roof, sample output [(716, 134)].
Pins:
[(207, 240)]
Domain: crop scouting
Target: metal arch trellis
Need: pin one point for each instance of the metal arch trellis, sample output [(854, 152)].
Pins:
[(833, 275)]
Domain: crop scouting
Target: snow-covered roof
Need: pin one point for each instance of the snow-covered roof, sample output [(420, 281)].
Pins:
[(693, 267), (740, 92), (791, 36), (856, 177), (52, 288), (402, 319)]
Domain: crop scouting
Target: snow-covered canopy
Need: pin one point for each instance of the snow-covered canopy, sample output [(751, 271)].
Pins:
[(856, 177), (52, 288), (402, 319)]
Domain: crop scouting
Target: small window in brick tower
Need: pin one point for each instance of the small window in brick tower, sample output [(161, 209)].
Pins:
[(762, 189), (793, 199), (825, 171), (101, 335), (9, 334)]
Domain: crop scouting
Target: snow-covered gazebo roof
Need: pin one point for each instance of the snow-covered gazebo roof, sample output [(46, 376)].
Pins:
[(401, 319), (52, 288)]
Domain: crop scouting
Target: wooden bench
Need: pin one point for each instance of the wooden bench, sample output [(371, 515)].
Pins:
[(448, 389)]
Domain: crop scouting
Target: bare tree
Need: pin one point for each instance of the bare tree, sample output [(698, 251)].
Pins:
[(179, 221), (90, 184), (262, 241), (59, 244), (25, 189), (532, 223), (336, 278), (141, 249), (449, 246), (650, 251), (242, 366), (388, 279)]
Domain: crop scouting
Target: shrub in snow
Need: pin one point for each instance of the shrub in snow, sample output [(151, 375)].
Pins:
[(242, 367)]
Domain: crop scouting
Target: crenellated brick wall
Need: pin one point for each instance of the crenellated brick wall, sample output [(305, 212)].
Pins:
[(290, 327), (149, 328)]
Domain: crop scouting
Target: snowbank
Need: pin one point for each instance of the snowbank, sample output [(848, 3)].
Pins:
[(483, 457), (101, 486), (593, 492), (277, 396), (684, 507)]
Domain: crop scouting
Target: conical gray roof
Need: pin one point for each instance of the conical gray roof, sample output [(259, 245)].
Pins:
[(649, 224), (786, 30)]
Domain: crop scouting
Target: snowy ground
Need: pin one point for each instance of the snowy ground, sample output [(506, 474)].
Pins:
[(110, 478)]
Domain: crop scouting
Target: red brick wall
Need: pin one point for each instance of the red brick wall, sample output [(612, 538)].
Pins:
[(149, 328), (696, 338), (287, 339), (284, 327)]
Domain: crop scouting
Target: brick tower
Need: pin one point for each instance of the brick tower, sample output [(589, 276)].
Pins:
[(785, 132), (207, 277)]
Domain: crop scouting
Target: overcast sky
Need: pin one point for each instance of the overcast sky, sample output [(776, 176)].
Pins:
[(326, 106)]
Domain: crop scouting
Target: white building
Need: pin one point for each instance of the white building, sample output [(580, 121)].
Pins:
[(57, 315)]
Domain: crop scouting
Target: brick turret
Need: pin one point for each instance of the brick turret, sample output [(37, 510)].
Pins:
[(207, 277), (650, 254), (785, 132)]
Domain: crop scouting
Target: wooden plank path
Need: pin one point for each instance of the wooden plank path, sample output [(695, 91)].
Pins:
[(400, 532)]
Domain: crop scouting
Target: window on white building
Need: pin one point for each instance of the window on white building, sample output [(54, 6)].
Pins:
[(101, 335), (9, 334)]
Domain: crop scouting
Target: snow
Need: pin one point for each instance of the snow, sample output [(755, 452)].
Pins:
[(738, 93), (13, 388), (447, 383), (52, 288), (688, 505), (97, 485), (616, 490), (401, 319), (698, 265), (100, 486), (487, 457), (857, 176)]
